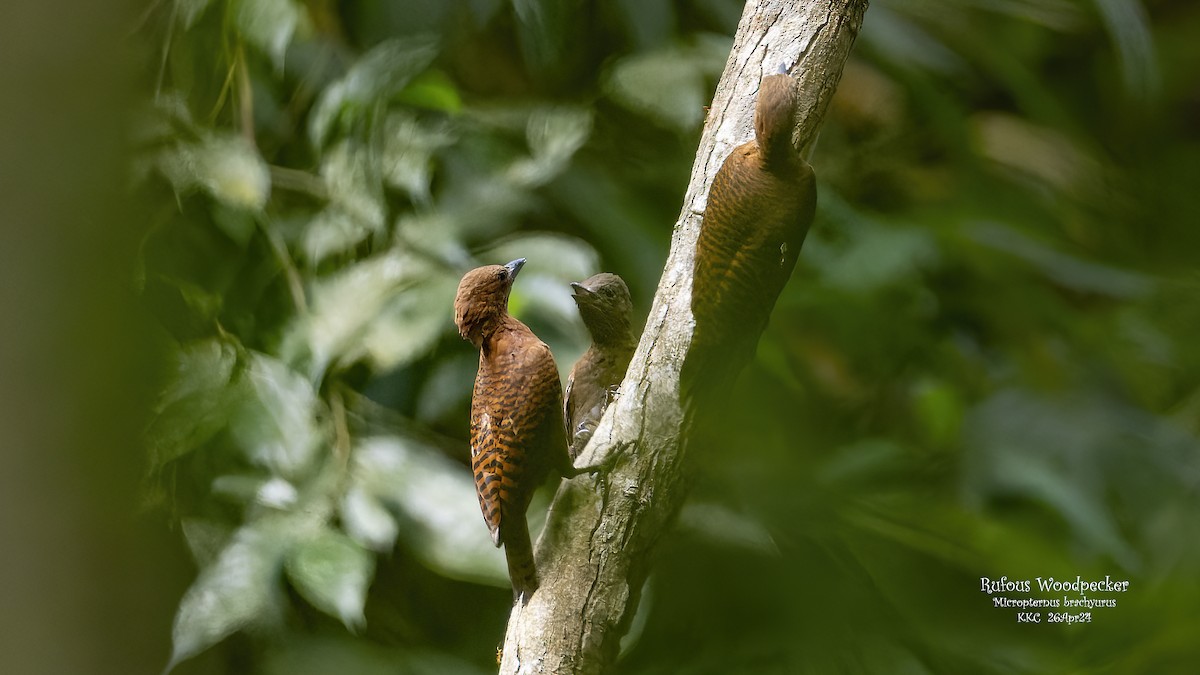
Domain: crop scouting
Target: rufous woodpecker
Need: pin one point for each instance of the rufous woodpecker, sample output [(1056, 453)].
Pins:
[(760, 207), (517, 434), (607, 312)]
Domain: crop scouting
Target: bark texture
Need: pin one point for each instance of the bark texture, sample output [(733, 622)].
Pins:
[(595, 550)]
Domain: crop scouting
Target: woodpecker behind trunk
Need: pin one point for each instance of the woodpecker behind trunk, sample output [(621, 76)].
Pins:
[(607, 311)]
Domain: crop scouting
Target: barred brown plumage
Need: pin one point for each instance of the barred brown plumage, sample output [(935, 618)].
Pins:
[(607, 311), (760, 206), (517, 435)]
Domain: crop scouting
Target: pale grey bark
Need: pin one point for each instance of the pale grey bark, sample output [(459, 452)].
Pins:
[(595, 550)]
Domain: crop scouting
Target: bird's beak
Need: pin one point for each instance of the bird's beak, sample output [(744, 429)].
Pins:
[(581, 290), (514, 267)]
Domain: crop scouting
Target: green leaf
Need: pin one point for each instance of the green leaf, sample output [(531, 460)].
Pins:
[(379, 75), (664, 85), (269, 25), (367, 520), (389, 309), (356, 210), (447, 388), (331, 232), (432, 90), (939, 410), (278, 426), (227, 166), (407, 154), (410, 324), (554, 135), (197, 401), (669, 84), (233, 592), (437, 496), (332, 572)]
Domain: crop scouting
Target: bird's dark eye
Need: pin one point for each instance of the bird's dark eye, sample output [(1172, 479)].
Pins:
[(502, 274)]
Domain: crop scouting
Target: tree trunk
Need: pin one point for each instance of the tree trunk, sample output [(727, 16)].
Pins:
[(594, 553)]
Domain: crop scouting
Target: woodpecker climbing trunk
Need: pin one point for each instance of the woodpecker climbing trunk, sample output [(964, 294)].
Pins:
[(759, 209), (517, 436)]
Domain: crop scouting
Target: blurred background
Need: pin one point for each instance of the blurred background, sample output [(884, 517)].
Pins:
[(236, 407)]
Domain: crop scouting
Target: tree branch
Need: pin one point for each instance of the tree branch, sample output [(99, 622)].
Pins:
[(594, 552)]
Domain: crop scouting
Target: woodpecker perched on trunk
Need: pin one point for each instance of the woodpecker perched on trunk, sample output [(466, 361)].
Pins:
[(517, 435), (759, 210), (607, 311)]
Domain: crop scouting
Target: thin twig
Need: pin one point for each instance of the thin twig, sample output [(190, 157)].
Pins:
[(295, 283)]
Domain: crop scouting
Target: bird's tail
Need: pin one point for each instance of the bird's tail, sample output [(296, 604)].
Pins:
[(518, 549)]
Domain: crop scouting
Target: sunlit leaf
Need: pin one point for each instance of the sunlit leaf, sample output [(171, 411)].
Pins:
[(279, 425), (438, 497), (356, 208), (332, 572), (367, 520), (269, 25), (331, 232), (389, 308), (236, 590), (446, 388), (275, 492), (232, 171), (353, 181), (227, 166), (377, 76), (409, 324), (432, 90)]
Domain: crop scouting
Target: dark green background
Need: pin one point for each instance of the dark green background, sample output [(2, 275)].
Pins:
[(984, 365)]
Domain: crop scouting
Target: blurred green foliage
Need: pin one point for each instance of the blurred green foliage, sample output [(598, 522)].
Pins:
[(985, 364)]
